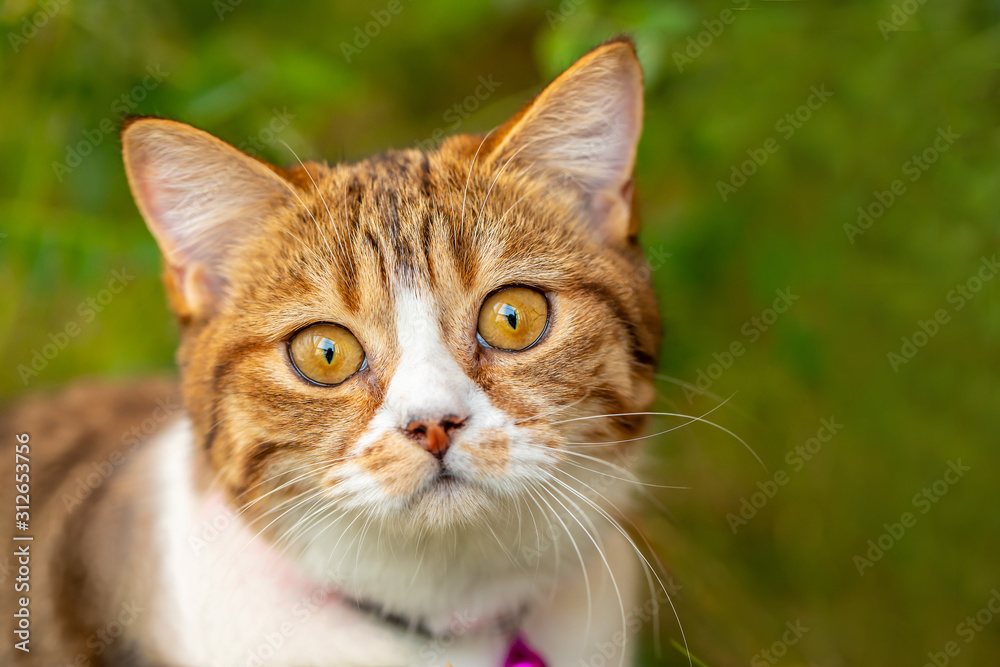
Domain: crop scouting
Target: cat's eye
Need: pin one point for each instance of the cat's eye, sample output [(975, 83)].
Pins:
[(326, 353), (513, 318)]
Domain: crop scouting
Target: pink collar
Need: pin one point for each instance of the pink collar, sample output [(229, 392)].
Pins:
[(522, 655)]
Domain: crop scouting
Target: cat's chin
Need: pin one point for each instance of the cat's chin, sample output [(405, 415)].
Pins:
[(447, 501)]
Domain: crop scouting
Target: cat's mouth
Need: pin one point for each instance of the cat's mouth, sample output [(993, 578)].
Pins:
[(446, 484), (446, 481)]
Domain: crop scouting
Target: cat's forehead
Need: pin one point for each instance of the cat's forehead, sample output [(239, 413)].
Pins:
[(435, 221), (360, 237)]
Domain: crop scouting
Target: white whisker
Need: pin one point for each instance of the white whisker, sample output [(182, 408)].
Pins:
[(555, 410), (653, 435), (673, 414), (635, 547), (469, 177), (600, 552)]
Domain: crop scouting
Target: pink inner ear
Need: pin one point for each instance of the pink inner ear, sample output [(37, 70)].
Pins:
[(147, 190), (584, 128), (611, 213), (202, 289), (200, 197), (628, 190)]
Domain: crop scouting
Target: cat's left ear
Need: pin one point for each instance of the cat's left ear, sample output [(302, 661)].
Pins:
[(200, 197), (584, 128)]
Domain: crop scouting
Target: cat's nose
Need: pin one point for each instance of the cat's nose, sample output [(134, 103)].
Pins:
[(434, 435)]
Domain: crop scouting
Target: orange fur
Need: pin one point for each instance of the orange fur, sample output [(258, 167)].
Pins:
[(457, 222), (254, 253)]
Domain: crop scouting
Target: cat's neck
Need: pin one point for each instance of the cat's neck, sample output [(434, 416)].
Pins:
[(218, 596), (212, 556)]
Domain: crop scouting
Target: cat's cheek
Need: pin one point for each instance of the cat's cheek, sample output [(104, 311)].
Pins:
[(484, 456), (515, 458), (397, 467)]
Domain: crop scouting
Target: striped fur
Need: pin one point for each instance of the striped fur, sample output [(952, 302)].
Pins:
[(401, 249)]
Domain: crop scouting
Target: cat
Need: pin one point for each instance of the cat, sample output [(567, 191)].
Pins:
[(412, 391)]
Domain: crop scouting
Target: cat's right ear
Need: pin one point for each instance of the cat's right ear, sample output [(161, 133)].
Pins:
[(583, 129), (198, 195)]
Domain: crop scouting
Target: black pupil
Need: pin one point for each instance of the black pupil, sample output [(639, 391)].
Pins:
[(328, 348), (510, 312)]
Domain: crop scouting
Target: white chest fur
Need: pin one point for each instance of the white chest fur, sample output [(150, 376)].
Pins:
[(229, 599)]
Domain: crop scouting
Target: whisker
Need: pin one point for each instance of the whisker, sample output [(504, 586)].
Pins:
[(500, 543), (306, 208), (318, 469), (299, 525), (361, 540), (635, 547), (604, 558), (579, 555), (652, 435), (555, 410), (688, 385), (616, 467), (673, 414), (280, 473), (333, 510), (552, 532), (469, 177), (495, 178), (309, 495), (538, 541), (322, 199)]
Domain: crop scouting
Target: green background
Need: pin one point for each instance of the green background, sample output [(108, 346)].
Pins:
[(718, 263)]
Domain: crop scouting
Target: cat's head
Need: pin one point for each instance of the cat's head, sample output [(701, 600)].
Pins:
[(422, 339)]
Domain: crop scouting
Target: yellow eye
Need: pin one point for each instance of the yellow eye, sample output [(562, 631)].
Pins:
[(326, 353), (513, 318)]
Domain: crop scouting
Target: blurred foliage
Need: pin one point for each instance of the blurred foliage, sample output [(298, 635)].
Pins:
[(62, 235)]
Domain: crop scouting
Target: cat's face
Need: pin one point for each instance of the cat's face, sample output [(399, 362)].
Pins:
[(415, 337)]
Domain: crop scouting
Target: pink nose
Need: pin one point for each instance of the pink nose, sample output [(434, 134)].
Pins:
[(434, 435)]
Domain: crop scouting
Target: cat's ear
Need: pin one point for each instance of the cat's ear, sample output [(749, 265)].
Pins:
[(199, 196), (584, 127)]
